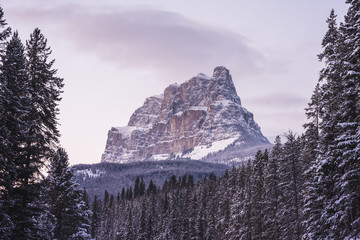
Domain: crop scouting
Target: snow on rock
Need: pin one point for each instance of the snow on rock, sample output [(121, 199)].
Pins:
[(202, 151), (159, 157)]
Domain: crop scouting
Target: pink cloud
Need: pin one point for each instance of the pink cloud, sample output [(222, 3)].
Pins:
[(146, 38)]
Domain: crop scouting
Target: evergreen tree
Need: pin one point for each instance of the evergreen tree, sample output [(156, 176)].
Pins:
[(334, 177), (96, 218), (246, 206), (223, 214), (22, 189), (257, 217), (5, 31), (347, 144), (290, 185), (137, 187), (44, 90), (66, 201), (313, 201), (151, 188), (235, 204), (272, 192), (130, 231), (6, 167), (323, 173)]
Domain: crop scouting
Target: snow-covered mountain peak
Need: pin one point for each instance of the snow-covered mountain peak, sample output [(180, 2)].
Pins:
[(188, 121)]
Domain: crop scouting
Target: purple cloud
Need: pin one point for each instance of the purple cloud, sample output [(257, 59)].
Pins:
[(148, 39)]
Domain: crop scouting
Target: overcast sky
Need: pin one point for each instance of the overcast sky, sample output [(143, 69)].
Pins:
[(113, 54)]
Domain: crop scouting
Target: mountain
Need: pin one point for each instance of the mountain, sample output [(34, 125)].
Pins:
[(96, 178), (200, 119)]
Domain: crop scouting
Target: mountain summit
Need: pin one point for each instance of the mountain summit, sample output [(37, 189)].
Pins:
[(200, 119)]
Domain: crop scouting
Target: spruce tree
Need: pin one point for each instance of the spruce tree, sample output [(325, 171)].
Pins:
[(246, 205), (5, 31), (96, 218), (347, 142), (323, 173), (66, 201), (23, 189), (235, 204), (257, 200), (272, 192), (290, 185), (6, 167), (44, 90)]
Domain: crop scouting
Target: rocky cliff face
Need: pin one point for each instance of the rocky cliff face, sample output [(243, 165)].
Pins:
[(199, 117)]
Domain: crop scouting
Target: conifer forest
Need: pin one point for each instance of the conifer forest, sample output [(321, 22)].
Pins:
[(306, 187)]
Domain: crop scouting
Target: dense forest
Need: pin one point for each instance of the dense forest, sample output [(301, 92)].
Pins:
[(305, 188)]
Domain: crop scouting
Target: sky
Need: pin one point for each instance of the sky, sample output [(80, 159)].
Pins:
[(113, 54)]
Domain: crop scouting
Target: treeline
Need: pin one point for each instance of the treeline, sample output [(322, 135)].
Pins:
[(33, 206), (261, 199)]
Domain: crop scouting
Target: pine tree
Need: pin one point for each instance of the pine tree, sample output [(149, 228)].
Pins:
[(5, 32), (335, 177), (323, 173), (96, 218), (6, 168), (66, 201), (257, 217), (23, 189), (272, 192), (137, 187), (347, 144), (223, 214), (313, 201), (235, 204), (246, 205), (40, 134), (290, 185), (44, 90)]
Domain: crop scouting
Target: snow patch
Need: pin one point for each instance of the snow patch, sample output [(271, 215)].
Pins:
[(179, 113), (202, 151), (161, 96), (87, 173), (127, 130), (198, 108), (159, 157), (203, 76)]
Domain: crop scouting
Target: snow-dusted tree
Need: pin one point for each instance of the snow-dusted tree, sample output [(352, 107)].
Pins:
[(236, 201), (211, 207), (40, 95), (66, 201), (246, 206), (96, 218), (5, 31), (313, 202), (5, 168), (20, 171), (290, 185), (258, 197), (319, 138), (22, 133), (44, 91), (347, 144), (272, 192), (332, 193), (223, 196)]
